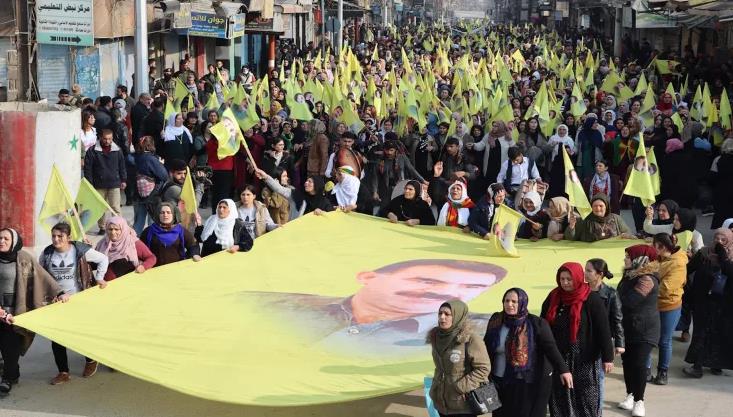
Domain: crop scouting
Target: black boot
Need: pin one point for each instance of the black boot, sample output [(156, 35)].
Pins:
[(5, 386), (661, 378), (693, 371)]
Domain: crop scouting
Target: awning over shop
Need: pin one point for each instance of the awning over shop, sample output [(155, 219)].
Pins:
[(351, 10)]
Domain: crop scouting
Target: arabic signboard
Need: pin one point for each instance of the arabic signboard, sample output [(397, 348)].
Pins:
[(65, 22), (207, 25)]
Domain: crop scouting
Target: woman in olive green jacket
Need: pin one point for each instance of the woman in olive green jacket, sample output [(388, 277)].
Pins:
[(460, 357)]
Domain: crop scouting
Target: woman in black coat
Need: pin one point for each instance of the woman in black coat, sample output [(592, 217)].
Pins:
[(523, 356), (579, 323), (410, 207), (722, 178), (712, 307), (638, 291)]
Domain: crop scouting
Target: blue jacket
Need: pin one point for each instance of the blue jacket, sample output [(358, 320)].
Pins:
[(105, 170), (149, 165), (479, 221)]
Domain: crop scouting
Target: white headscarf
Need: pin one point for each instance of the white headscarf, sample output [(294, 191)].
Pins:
[(463, 212), (565, 140), (347, 190), (171, 130), (222, 228), (536, 199)]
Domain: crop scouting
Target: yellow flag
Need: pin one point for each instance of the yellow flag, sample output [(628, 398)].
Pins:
[(213, 102), (169, 110), (188, 203), (58, 206), (654, 172), (181, 91), (90, 205), (666, 66), (640, 181), (246, 118), (300, 111), (578, 108), (375, 54), (684, 239), (574, 188), (506, 221), (228, 135), (725, 111)]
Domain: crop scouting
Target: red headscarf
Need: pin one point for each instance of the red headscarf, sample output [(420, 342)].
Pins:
[(573, 299)]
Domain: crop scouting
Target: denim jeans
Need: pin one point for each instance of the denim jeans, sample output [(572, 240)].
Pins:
[(141, 217), (668, 322)]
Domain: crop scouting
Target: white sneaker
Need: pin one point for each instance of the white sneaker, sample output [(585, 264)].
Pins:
[(628, 403), (639, 410)]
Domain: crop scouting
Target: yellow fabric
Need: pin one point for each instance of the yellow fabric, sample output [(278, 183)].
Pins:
[(90, 205), (725, 110), (58, 206), (197, 327), (188, 195), (506, 220), (640, 181), (574, 188), (227, 134)]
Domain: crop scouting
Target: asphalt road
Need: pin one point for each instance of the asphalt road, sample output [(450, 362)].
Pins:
[(113, 394)]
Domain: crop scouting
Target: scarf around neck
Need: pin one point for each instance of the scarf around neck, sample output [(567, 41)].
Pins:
[(446, 338), (223, 229), (572, 299), (519, 344), (16, 244), (124, 248)]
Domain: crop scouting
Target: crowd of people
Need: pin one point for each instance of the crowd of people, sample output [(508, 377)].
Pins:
[(435, 125)]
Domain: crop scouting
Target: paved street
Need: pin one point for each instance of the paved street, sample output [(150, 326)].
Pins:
[(112, 394)]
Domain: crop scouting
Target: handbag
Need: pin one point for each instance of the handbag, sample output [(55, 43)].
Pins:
[(145, 185), (485, 398), (718, 285)]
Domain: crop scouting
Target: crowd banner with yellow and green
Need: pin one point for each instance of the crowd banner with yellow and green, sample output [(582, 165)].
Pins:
[(331, 308)]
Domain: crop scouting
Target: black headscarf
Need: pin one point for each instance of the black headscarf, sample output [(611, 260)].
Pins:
[(688, 220), (415, 208), (318, 200), (672, 208), (16, 244)]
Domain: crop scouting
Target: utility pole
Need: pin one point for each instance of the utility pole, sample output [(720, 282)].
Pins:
[(141, 48), (341, 24), (323, 27), (618, 22)]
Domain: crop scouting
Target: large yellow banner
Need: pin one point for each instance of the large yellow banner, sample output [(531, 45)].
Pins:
[(326, 309)]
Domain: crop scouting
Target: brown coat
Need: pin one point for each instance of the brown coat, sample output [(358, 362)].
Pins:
[(458, 371), (318, 155), (34, 288)]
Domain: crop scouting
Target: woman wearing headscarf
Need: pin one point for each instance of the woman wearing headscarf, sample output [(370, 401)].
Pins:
[(457, 209), (678, 184), (589, 146), (621, 151), (685, 221), (638, 291), (712, 298), (311, 199), (672, 278), (600, 224), (534, 226), (523, 357), (346, 190), (604, 182), (722, 177), (126, 253), (460, 358), (482, 216), (558, 210), (177, 140), (168, 240), (410, 207), (24, 286), (558, 141), (224, 230), (491, 147), (664, 223), (666, 104), (579, 323)]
